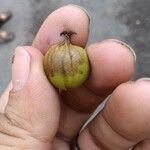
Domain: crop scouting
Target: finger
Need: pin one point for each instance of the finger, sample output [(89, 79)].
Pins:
[(33, 105), (145, 144), (112, 63), (67, 18), (81, 102), (4, 98), (124, 121)]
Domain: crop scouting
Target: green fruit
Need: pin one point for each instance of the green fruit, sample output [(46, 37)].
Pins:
[(66, 65)]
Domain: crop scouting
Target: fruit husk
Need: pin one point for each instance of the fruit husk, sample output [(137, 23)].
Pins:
[(66, 65)]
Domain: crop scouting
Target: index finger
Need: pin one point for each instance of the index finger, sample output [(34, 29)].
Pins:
[(68, 18)]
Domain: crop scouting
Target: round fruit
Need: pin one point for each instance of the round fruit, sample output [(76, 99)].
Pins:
[(66, 65)]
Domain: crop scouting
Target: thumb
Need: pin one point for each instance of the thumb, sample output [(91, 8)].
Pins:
[(33, 103)]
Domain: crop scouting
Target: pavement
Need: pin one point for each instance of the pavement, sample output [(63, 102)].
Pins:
[(127, 20)]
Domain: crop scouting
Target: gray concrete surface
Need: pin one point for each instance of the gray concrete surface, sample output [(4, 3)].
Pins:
[(127, 20)]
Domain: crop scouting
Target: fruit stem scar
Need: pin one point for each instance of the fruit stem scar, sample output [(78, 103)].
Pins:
[(67, 35)]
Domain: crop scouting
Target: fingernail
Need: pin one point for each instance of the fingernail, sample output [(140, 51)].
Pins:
[(20, 68), (125, 45), (87, 13), (144, 79)]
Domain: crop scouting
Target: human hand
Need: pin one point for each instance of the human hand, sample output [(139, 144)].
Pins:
[(35, 116)]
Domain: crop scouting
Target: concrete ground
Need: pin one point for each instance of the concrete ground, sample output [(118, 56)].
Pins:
[(127, 20)]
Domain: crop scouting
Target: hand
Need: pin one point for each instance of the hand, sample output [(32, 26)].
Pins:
[(35, 116)]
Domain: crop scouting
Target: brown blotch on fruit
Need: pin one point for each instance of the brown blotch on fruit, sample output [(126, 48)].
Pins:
[(66, 65)]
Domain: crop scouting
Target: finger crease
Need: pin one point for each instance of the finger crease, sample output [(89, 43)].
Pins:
[(129, 140)]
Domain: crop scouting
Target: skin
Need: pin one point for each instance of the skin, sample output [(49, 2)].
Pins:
[(38, 117)]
